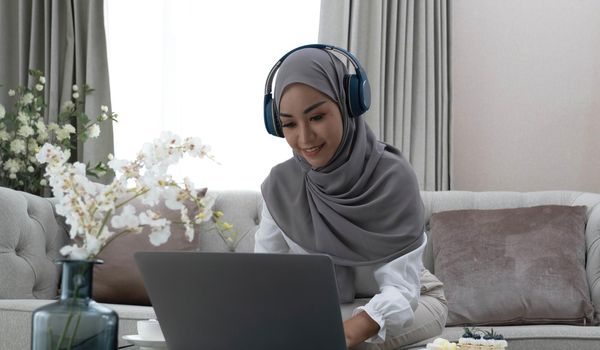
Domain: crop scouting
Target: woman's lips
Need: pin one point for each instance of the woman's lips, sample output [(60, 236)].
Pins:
[(312, 151)]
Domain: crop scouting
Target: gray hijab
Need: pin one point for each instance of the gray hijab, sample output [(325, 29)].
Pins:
[(363, 207)]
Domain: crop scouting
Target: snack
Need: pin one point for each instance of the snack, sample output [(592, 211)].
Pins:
[(442, 344), (488, 340), (472, 339)]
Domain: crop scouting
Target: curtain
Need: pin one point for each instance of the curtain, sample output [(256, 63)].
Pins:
[(404, 47), (66, 40)]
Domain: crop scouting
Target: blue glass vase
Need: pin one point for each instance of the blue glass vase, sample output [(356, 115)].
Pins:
[(75, 321)]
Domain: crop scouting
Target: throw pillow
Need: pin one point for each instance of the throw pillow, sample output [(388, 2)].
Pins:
[(513, 266), (118, 280)]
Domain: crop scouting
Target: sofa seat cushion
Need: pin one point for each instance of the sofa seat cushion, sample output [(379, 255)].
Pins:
[(15, 320)]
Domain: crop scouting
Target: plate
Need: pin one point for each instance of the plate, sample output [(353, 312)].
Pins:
[(148, 344)]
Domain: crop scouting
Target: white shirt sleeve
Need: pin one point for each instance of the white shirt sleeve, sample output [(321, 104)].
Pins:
[(393, 307), (268, 237)]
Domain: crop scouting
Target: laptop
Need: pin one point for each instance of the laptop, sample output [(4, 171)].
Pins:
[(234, 301)]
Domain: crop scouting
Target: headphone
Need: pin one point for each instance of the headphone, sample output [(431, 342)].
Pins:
[(356, 88)]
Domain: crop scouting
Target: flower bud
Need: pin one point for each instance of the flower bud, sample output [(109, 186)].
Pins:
[(75, 88), (30, 169), (43, 80), (43, 182), (39, 87), (11, 92), (75, 95)]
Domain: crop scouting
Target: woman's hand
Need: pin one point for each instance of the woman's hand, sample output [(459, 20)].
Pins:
[(359, 328)]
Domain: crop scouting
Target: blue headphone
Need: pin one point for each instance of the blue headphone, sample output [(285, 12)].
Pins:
[(357, 89)]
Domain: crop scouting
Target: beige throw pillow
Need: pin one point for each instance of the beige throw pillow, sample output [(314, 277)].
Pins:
[(118, 280), (513, 266)]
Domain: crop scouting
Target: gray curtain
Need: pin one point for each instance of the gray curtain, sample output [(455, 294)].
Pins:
[(403, 46), (65, 39)]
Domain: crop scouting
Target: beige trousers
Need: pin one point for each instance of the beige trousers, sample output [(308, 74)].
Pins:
[(430, 317)]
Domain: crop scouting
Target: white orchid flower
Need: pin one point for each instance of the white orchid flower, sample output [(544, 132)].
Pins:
[(74, 252), (127, 218), (171, 199), (160, 236), (86, 206)]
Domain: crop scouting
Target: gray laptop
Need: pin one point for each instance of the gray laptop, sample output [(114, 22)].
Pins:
[(241, 301)]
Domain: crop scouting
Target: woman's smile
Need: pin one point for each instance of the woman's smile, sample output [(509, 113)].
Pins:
[(311, 152)]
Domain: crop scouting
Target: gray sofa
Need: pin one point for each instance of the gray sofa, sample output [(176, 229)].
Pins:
[(31, 235)]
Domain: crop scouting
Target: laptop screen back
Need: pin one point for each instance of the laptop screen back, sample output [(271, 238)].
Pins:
[(244, 300)]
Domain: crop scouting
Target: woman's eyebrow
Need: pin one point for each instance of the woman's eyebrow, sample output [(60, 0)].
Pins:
[(313, 106), (307, 110)]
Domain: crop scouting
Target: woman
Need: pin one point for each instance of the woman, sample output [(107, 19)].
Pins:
[(345, 194)]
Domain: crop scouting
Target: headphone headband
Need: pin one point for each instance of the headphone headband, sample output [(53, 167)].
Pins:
[(357, 67), (358, 91)]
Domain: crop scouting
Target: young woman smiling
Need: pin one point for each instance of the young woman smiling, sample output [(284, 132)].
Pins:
[(348, 195)]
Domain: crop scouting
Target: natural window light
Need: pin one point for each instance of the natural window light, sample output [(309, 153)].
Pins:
[(198, 68)]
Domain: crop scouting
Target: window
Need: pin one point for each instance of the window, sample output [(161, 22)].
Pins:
[(198, 68)]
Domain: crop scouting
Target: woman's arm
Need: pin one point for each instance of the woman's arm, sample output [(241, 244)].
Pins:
[(359, 328), (393, 307)]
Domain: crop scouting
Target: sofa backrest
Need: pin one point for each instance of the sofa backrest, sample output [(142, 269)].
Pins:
[(242, 209), (31, 235)]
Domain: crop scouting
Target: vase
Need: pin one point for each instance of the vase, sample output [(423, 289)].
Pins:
[(75, 321)]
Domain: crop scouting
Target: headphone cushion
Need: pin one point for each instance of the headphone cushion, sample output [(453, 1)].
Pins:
[(353, 95), (270, 116)]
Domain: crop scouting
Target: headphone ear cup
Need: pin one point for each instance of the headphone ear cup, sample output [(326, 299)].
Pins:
[(270, 116), (353, 95)]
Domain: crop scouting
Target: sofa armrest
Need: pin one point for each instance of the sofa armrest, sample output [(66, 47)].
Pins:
[(592, 239), (30, 239)]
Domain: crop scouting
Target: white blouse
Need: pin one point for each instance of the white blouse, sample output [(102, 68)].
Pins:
[(398, 280)]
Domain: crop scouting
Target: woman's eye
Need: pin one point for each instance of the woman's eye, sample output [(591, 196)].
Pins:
[(317, 117), (288, 125)]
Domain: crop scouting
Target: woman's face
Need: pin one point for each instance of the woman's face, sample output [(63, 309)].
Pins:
[(311, 123)]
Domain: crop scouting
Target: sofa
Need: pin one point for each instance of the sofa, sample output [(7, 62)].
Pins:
[(31, 235)]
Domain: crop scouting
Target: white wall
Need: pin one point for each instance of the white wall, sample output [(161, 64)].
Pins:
[(525, 95)]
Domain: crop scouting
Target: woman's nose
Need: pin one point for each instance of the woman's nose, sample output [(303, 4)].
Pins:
[(306, 135)]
